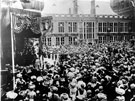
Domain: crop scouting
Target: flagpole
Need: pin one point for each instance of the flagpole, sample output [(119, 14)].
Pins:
[(12, 46)]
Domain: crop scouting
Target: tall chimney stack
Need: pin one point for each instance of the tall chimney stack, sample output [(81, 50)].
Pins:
[(75, 8), (93, 7), (69, 10)]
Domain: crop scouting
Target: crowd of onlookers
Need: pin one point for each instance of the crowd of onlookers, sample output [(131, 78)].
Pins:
[(105, 73)]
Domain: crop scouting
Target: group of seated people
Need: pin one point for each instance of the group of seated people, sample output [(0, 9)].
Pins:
[(105, 73)]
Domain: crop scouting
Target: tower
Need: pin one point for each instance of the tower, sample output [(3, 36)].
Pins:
[(75, 7), (93, 8)]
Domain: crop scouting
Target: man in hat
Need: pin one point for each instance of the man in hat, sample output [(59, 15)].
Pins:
[(53, 96), (31, 94)]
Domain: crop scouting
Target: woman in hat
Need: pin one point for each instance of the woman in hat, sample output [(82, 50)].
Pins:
[(81, 92), (65, 97), (72, 90)]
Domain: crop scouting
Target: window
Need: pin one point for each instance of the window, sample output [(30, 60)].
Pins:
[(81, 33), (100, 39), (115, 27), (93, 31), (49, 41), (104, 27), (57, 41), (74, 26), (44, 40), (111, 38), (115, 38), (88, 30), (70, 40), (99, 27), (62, 40), (121, 27), (81, 36), (84, 30), (104, 39), (69, 26), (130, 26), (61, 26), (75, 40), (126, 27), (111, 27), (55, 56)]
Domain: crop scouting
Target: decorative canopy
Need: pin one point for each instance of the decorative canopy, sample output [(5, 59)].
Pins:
[(22, 23), (26, 22)]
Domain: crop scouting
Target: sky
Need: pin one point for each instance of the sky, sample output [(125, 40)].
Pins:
[(62, 7)]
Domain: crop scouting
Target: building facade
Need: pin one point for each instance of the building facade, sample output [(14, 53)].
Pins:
[(68, 29), (112, 28)]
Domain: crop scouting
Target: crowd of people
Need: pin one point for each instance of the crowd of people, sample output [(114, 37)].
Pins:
[(105, 73)]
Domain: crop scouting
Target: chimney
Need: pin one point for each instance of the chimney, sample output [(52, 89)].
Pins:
[(69, 10), (75, 8), (93, 8)]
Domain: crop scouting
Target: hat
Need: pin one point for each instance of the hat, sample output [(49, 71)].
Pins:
[(64, 96), (72, 69), (81, 84), (94, 79), (32, 86), (120, 98), (108, 77), (19, 75), (120, 91), (132, 86), (54, 88), (97, 64), (100, 87), (33, 77), (70, 74), (23, 93), (89, 91), (39, 79), (11, 95), (101, 96)]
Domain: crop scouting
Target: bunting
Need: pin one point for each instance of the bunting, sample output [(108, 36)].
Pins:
[(21, 23)]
